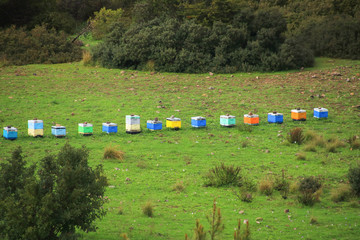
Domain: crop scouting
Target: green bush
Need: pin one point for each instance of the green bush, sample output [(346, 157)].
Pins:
[(102, 21), (39, 45), (223, 175), (249, 43), (310, 191), (354, 178)]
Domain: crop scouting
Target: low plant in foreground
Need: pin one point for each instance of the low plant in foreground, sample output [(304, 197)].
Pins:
[(111, 153), (266, 186), (354, 178), (342, 193), (178, 186), (282, 185), (354, 142), (310, 191), (216, 222), (223, 175), (333, 144), (296, 135), (147, 209), (242, 235)]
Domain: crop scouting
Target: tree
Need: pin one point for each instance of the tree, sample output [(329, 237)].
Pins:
[(63, 195)]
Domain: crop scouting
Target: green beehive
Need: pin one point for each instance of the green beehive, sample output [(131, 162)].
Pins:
[(85, 129)]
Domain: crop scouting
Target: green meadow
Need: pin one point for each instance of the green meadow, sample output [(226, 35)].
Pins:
[(154, 162)]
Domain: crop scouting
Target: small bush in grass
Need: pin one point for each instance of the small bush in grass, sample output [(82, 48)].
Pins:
[(354, 142), (266, 186), (111, 153), (120, 210), (342, 193), (178, 187), (333, 144), (244, 193), (141, 164), (147, 209), (294, 187), (310, 135), (223, 175), (310, 191), (313, 220), (301, 156), (282, 185), (244, 144), (354, 178), (86, 58), (296, 135)]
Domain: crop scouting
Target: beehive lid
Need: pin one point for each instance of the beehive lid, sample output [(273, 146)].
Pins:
[(173, 119), (58, 126), (133, 116), (153, 121), (251, 115), (320, 109), (10, 128), (110, 124), (35, 120), (275, 114), (85, 125), (298, 110), (198, 118), (227, 116)]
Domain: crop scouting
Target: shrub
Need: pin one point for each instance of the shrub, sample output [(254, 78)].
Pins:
[(86, 58), (223, 175), (178, 187), (147, 209), (102, 21), (354, 178), (296, 135), (354, 142), (239, 235), (282, 185), (342, 193), (310, 191), (301, 156), (333, 144), (111, 153), (266, 186), (39, 45), (313, 220)]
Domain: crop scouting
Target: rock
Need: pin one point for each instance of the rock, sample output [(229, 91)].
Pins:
[(241, 212), (211, 74), (259, 219), (286, 210), (127, 179), (267, 151), (211, 88)]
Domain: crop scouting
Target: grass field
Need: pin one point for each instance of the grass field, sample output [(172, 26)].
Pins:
[(154, 162)]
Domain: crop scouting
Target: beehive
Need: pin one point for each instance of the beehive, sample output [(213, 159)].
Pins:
[(320, 112), (58, 131), (85, 129), (227, 120), (36, 128), (109, 127), (251, 119), (298, 114), (154, 125), (133, 124), (198, 122), (10, 133), (275, 117), (173, 122)]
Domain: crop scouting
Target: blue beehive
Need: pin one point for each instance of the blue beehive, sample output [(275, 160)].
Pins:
[(58, 131), (320, 112), (154, 125), (198, 122), (36, 127), (10, 133), (275, 117), (109, 127)]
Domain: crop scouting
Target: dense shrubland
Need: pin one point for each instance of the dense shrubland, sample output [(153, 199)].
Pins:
[(199, 35)]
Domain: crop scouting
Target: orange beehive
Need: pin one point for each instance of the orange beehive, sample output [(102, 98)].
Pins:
[(251, 119), (298, 114)]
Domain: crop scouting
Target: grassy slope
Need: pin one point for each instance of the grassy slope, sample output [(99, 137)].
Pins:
[(70, 93)]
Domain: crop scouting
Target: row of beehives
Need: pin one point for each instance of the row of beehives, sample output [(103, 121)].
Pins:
[(36, 127)]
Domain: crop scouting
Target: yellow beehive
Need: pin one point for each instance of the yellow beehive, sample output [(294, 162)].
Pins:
[(173, 122), (298, 114), (36, 132)]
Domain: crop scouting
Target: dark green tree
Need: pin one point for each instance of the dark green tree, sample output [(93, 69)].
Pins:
[(65, 194)]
